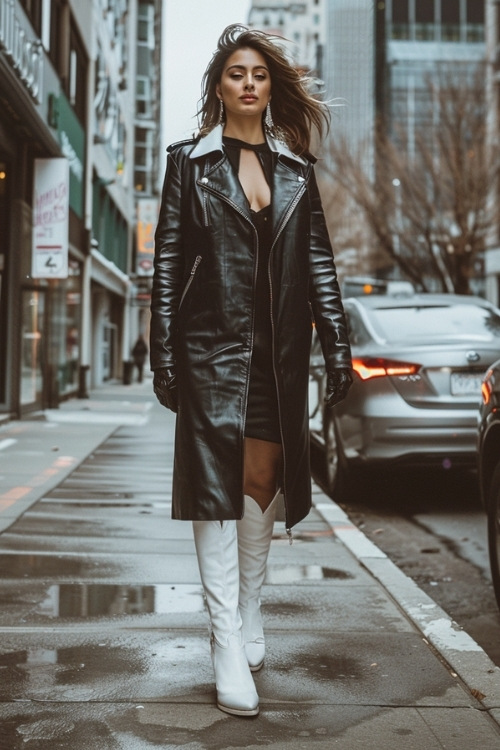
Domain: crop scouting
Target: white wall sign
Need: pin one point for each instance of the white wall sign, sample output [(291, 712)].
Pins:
[(50, 219)]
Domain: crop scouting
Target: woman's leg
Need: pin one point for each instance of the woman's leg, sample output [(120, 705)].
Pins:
[(263, 460), (262, 469)]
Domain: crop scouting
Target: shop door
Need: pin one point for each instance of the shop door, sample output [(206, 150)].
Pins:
[(109, 351), (33, 310)]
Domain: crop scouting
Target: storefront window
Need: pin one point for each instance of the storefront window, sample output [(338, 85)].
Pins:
[(33, 305), (64, 330)]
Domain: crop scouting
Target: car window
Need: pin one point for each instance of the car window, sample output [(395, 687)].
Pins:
[(358, 335), (436, 322)]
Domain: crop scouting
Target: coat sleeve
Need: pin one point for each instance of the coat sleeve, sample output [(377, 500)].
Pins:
[(324, 291), (168, 269)]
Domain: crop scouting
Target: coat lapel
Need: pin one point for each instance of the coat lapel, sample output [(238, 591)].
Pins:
[(288, 185), (288, 182), (225, 182)]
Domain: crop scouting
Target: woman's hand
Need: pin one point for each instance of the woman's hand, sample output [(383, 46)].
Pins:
[(338, 382), (165, 387)]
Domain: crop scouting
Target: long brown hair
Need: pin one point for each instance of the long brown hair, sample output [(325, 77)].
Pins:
[(294, 109)]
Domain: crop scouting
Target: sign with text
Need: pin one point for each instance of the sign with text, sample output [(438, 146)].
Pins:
[(50, 219), (147, 217)]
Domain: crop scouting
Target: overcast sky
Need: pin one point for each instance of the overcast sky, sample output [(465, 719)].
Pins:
[(191, 30)]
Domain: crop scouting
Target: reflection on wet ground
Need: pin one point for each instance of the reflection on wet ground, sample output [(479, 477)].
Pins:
[(118, 503), (295, 573), (82, 600), (41, 566), (70, 601)]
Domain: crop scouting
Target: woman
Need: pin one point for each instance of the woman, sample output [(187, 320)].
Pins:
[(243, 265)]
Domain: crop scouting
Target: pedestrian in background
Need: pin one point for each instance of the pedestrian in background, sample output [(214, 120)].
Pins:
[(139, 353), (243, 265)]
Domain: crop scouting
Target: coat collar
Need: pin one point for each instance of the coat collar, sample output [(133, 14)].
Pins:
[(213, 142)]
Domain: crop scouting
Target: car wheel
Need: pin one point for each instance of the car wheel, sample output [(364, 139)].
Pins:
[(336, 472), (494, 531)]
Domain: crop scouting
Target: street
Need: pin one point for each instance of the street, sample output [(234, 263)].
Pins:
[(431, 524), (103, 625)]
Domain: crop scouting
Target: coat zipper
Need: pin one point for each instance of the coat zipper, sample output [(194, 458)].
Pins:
[(269, 275), (205, 210), (196, 263)]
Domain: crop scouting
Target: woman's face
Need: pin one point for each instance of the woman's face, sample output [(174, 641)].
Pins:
[(245, 85)]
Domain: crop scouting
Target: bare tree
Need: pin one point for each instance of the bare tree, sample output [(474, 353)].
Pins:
[(427, 205)]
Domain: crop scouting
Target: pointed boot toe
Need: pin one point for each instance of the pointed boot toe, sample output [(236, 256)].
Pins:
[(236, 693)]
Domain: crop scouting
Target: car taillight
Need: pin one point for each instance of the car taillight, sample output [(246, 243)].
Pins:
[(378, 367), (486, 390)]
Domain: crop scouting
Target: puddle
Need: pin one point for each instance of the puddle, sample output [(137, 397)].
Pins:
[(25, 566), (63, 492), (73, 664), (98, 600), (109, 504), (293, 573)]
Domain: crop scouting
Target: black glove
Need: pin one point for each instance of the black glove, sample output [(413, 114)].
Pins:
[(338, 382), (165, 387)]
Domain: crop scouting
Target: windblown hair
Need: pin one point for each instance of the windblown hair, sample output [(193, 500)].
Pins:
[(295, 110)]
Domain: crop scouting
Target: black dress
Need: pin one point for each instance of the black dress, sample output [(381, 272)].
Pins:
[(262, 417)]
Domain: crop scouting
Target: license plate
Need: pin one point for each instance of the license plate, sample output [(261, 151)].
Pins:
[(466, 384)]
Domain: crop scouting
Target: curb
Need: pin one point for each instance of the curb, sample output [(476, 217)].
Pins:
[(463, 655)]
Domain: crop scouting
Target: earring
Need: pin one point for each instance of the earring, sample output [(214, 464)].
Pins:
[(268, 120), (221, 111)]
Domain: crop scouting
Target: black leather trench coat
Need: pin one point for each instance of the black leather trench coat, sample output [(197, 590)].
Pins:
[(202, 319)]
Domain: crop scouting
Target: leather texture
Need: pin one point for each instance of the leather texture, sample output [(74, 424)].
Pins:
[(338, 383), (202, 319), (165, 387)]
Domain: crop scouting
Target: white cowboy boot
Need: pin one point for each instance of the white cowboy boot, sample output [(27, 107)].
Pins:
[(255, 531), (217, 551)]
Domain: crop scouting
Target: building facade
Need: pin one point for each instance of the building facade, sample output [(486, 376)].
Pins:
[(302, 24), (379, 58), (422, 38), (67, 198), (43, 116), (350, 72), (147, 168)]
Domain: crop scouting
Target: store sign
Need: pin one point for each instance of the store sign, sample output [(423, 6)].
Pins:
[(50, 219), (147, 216), (22, 48)]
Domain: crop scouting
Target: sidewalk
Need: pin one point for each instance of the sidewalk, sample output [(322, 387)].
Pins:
[(103, 631)]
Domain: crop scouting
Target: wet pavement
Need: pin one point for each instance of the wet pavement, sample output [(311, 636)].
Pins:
[(104, 641)]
